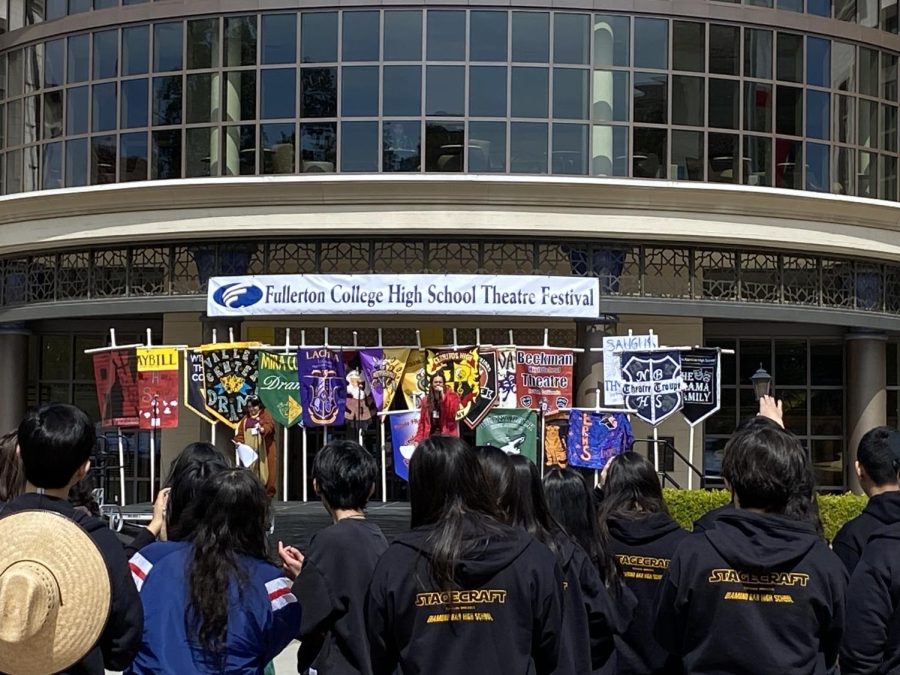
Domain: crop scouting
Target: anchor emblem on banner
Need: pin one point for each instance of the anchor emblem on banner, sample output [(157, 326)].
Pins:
[(652, 384)]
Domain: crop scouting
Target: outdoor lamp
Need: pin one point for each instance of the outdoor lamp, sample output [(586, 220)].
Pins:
[(761, 381)]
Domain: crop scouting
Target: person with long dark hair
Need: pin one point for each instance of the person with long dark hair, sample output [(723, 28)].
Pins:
[(501, 477), (438, 410), (643, 537), (462, 590), (590, 619), (213, 603), (12, 474)]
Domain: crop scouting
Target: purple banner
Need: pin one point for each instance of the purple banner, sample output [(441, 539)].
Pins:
[(323, 388), (383, 368)]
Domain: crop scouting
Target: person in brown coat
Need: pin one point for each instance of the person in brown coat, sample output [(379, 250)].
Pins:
[(257, 429)]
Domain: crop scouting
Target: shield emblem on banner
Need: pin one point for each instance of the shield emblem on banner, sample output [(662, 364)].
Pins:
[(652, 384)]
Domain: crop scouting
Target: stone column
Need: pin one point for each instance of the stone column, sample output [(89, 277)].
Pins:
[(866, 394), (14, 366)]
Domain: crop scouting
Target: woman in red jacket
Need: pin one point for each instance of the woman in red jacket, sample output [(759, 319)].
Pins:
[(437, 413)]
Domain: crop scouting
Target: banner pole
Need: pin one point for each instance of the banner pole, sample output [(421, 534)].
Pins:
[(305, 487), (383, 463), (691, 458), (284, 466), (543, 457), (121, 467), (656, 449), (152, 458)]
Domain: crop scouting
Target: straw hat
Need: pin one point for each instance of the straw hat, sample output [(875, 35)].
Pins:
[(54, 593)]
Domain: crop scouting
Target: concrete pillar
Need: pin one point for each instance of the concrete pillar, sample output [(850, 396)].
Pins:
[(603, 151), (14, 366), (866, 393)]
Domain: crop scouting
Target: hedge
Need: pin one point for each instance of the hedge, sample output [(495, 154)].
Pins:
[(687, 506)]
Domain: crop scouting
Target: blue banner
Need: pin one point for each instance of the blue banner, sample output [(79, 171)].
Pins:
[(323, 387), (403, 430), (596, 437)]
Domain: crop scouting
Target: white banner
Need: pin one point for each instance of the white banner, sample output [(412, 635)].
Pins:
[(612, 362), (265, 295)]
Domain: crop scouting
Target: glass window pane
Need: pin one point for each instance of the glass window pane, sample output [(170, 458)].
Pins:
[(818, 114), (103, 160), (239, 97), (570, 95), (76, 162), (444, 146), (723, 158), (817, 167), (868, 123), (843, 171), (104, 107), (724, 49), (402, 90), (56, 9), (278, 93), (401, 144), (318, 147), (650, 98), (650, 152), (687, 155), (889, 128), (651, 43), (202, 98), (359, 91), (166, 159), (34, 67), (843, 66), (240, 41), (52, 177), (868, 72), (789, 111), (445, 91), (277, 143), (17, 74), (826, 364), (788, 164), (32, 112), (201, 152), (487, 36), (612, 44), (76, 111), (167, 44), (446, 35), (789, 66), (54, 64), (687, 101), (239, 151), (611, 96), (203, 44), (724, 108), (790, 5), (528, 147), (889, 76), (487, 147), (531, 37), (888, 178), (402, 35), (361, 31), (530, 92), (359, 146), (758, 161), (818, 62), (828, 459), (843, 119), (609, 153), (32, 170), (53, 114), (757, 106), (758, 53), (845, 10), (15, 122), (318, 92), (166, 100), (79, 6), (13, 172), (570, 38), (866, 179), (78, 61), (570, 149), (819, 7), (487, 91), (106, 54), (136, 50), (318, 37), (279, 38), (689, 46), (867, 13), (133, 157), (889, 19)]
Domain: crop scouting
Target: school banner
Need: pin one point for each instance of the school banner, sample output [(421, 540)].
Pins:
[(701, 370), (383, 368), (360, 408), (513, 430), (230, 372), (544, 378), (117, 389), (488, 392), (459, 368), (323, 387), (403, 430), (158, 387), (596, 437), (415, 381), (194, 391), (613, 346), (278, 387), (506, 377), (652, 384)]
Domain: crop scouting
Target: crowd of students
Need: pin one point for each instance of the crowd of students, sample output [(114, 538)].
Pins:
[(501, 571)]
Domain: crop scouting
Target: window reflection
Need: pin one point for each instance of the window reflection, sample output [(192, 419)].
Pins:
[(611, 96), (570, 38), (359, 146), (651, 97), (202, 44), (402, 35), (359, 91), (530, 92), (401, 146), (103, 160), (687, 155), (758, 161), (723, 158), (444, 146), (487, 36), (133, 157), (531, 37), (528, 147), (788, 164), (76, 162), (651, 43), (318, 37), (167, 46), (487, 91), (609, 155), (318, 92), (486, 152), (202, 154), (402, 90), (52, 167), (445, 91), (612, 45), (318, 146), (240, 41), (279, 38), (167, 100), (570, 149), (570, 93), (650, 152), (360, 36), (239, 150), (277, 143), (446, 39), (165, 162), (278, 93)]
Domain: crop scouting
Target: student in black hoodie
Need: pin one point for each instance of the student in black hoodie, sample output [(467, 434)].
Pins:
[(877, 463), (462, 592), (333, 577), (643, 537), (55, 444), (760, 592)]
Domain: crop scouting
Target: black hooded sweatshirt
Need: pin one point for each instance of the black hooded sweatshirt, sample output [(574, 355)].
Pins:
[(121, 637), (643, 546), (708, 520), (504, 617), (758, 593), (872, 637), (880, 511)]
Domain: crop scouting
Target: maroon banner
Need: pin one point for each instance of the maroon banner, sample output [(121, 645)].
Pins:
[(117, 389), (158, 388), (544, 378)]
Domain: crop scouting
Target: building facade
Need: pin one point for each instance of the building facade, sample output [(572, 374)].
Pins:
[(728, 170)]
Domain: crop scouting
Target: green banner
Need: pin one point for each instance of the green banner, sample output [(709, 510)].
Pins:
[(278, 387), (513, 430)]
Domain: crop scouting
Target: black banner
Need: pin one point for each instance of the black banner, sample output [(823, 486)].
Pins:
[(652, 384), (701, 372), (488, 392)]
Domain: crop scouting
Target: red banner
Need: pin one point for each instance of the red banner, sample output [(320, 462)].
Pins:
[(117, 390), (544, 378), (158, 388)]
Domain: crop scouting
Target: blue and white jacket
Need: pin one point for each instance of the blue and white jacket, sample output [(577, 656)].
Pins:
[(262, 620)]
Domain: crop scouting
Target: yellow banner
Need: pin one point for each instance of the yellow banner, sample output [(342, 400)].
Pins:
[(154, 359)]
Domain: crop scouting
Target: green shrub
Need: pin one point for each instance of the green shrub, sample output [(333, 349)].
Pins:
[(687, 506)]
